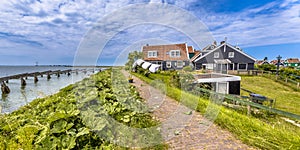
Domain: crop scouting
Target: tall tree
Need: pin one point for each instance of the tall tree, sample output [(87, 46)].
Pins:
[(133, 56)]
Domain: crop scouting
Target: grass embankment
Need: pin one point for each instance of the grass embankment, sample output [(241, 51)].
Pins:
[(91, 114), (250, 130), (287, 99)]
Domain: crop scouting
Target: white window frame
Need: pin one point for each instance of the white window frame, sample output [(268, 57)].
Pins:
[(231, 55), (168, 64), (180, 66), (175, 53), (216, 54), (238, 68), (152, 54)]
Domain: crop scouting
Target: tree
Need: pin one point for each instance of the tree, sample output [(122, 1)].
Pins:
[(132, 56)]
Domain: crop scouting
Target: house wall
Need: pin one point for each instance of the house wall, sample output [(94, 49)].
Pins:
[(163, 52), (236, 60), (173, 65)]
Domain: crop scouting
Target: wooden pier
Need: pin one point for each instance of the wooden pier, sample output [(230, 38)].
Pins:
[(4, 80)]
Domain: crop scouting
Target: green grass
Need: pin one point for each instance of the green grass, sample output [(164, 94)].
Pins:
[(85, 115), (264, 134), (287, 99)]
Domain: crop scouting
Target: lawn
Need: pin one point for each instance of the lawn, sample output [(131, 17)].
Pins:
[(286, 98)]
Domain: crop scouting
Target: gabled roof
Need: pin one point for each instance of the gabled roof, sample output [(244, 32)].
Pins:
[(260, 62), (274, 62), (190, 49), (197, 53), (292, 60), (225, 44)]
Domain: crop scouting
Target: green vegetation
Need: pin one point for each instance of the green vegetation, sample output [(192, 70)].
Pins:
[(132, 56), (286, 98), (96, 113), (266, 133)]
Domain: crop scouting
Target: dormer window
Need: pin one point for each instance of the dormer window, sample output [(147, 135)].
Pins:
[(152, 54), (175, 53)]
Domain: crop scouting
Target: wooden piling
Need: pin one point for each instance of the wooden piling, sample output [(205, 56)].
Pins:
[(36, 79), (4, 88), (23, 82), (6, 81), (69, 73), (58, 74), (48, 76)]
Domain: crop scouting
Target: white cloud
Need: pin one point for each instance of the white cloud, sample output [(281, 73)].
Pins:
[(59, 25)]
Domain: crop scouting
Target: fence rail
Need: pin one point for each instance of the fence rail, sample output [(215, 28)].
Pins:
[(271, 75), (251, 104)]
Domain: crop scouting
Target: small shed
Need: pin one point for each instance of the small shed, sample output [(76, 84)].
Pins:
[(221, 83)]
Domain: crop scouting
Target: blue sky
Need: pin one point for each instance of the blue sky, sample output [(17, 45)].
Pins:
[(57, 31)]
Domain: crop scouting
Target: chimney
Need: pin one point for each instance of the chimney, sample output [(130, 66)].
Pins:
[(147, 44), (222, 42)]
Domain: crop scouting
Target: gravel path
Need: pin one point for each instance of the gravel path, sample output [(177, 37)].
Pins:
[(183, 128)]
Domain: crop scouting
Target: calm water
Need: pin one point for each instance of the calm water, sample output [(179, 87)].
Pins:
[(20, 96)]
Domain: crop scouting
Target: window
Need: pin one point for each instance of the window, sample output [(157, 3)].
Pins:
[(179, 64), (216, 55), (175, 53), (231, 55), (152, 54), (242, 66), (168, 64)]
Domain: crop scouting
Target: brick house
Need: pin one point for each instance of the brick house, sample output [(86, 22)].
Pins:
[(170, 57)]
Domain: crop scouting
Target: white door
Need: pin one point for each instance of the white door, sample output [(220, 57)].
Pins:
[(222, 87)]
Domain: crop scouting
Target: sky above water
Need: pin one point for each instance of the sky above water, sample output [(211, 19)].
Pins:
[(57, 31)]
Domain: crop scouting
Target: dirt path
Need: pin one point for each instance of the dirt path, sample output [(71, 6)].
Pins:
[(183, 128)]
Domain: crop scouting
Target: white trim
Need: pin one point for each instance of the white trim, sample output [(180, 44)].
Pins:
[(209, 52), (227, 87), (241, 52), (216, 56), (187, 51), (178, 65), (170, 63), (230, 56), (224, 44), (175, 50), (153, 52)]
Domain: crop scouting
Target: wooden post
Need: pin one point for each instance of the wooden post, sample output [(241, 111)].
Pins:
[(36, 79), (286, 79), (76, 72), (6, 81), (41, 75), (4, 88), (23, 82), (248, 110), (69, 73), (48, 76), (298, 84), (58, 74)]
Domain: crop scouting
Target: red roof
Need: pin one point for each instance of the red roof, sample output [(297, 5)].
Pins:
[(190, 49), (293, 60)]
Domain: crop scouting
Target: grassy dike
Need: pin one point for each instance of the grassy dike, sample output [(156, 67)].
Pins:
[(90, 114), (287, 98), (250, 130)]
